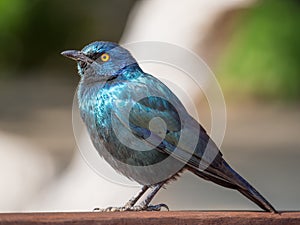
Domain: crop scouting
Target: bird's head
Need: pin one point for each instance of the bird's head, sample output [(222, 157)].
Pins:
[(101, 60)]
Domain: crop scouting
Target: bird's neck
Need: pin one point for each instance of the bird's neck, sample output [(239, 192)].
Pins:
[(92, 87), (129, 72)]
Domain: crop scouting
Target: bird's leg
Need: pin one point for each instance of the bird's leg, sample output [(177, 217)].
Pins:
[(128, 205), (145, 204), (136, 197)]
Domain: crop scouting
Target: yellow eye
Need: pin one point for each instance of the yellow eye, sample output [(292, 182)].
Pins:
[(105, 57)]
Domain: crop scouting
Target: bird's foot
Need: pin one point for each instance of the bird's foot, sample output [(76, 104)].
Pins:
[(148, 208), (133, 208), (157, 207), (110, 209)]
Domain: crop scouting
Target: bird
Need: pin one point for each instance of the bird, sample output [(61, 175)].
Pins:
[(141, 128)]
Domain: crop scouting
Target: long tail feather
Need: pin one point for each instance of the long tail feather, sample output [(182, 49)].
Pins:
[(248, 190), (228, 178)]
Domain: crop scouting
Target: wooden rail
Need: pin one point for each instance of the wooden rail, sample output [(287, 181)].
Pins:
[(161, 218)]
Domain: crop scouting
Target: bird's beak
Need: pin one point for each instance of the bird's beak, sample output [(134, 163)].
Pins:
[(77, 56)]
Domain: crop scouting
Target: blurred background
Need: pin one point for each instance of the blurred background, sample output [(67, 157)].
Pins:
[(253, 47)]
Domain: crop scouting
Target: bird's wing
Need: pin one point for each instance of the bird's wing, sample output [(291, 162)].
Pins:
[(150, 107), (201, 157), (196, 150)]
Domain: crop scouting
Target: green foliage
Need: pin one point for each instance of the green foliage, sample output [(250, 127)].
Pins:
[(33, 33), (262, 58)]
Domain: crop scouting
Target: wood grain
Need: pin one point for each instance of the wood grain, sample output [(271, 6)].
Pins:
[(161, 218)]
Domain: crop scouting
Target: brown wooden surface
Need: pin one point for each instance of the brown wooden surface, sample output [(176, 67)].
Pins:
[(161, 218)]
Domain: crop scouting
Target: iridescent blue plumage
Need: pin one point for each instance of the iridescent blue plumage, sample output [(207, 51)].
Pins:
[(136, 123)]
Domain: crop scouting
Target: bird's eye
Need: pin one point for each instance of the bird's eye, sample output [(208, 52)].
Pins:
[(105, 57)]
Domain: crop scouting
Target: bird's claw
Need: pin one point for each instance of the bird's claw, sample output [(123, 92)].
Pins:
[(157, 207), (133, 208)]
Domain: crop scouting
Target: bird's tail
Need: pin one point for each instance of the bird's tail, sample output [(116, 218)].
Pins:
[(249, 191), (227, 177)]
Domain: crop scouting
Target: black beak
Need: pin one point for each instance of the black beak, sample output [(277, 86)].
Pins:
[(77, 56)]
